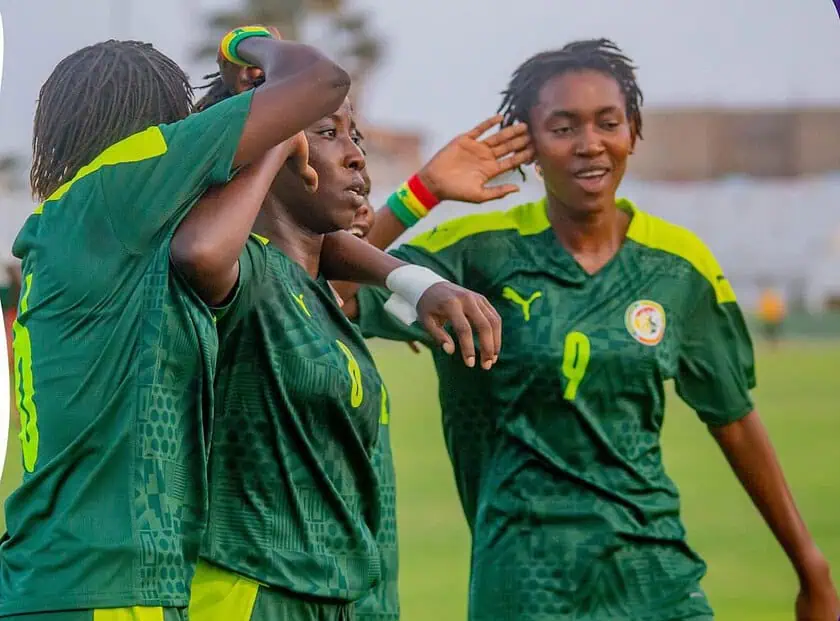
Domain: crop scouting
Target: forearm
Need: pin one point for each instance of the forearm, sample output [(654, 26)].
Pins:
[(207, 244), (748, 449), (345, 257), (280, 59), (386, 229)]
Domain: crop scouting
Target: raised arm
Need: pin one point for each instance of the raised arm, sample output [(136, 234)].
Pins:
[(208, 242), (301, 86), (460, 171)]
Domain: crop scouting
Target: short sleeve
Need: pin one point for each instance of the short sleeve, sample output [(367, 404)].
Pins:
[(716, 367), (155, 176), (252, 274)]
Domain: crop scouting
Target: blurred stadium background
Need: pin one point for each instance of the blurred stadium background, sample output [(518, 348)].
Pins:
[(750, 161)]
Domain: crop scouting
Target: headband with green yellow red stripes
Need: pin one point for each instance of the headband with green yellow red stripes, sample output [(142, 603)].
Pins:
[(236, 36), (412, 201)]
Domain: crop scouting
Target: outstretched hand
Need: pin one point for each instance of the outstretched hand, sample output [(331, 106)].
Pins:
[(461, 170)]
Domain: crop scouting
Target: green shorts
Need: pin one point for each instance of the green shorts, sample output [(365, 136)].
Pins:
[(218, 594), (137, 613)]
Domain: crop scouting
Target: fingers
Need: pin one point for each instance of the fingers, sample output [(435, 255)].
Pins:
[(494, 193), (511, 132), (517, 143), (521, 158), (476, 132), (463, 332), (487, 323), (496, 323), (435, 329)]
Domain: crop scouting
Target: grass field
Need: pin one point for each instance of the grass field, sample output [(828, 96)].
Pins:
[(748, 580)]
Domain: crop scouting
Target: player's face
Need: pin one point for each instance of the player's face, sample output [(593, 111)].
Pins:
[(335, 155), (582, 138), (365, 215)]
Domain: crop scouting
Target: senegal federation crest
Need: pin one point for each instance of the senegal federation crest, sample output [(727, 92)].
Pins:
[(645, 321)]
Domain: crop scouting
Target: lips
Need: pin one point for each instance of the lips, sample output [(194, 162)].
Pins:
[(594, 172), (593, 179), (356, 193)]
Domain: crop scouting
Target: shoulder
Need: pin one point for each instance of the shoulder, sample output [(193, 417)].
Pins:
[(198, 121), (659, 235), (525, 219)]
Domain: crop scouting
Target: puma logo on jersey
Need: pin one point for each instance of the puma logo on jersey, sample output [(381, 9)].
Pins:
[(509, 294), (302, 304)]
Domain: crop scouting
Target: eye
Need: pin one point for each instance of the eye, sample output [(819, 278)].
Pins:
[(563, 131), (611, 124), (329, 133)]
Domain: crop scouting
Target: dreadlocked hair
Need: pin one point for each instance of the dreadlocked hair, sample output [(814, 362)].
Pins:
[(601, 55), (97, 97), (217, 90)]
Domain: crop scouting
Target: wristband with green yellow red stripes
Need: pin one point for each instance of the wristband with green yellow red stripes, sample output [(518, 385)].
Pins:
[(236, 36), (412, 201)]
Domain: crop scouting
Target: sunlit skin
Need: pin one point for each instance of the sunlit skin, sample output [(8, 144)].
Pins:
[(365, 215), (583, 138), (334, 153)]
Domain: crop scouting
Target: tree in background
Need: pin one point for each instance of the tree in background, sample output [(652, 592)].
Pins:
[(12, 173), (343, 33)]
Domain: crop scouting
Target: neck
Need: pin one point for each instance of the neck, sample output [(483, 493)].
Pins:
[(596, 231), (296, 241)]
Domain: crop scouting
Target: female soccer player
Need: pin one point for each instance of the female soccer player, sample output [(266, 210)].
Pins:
[(556, 450), (297, 507), (114, 353)]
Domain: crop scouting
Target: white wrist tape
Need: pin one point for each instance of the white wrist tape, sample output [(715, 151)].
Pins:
[(409, 283), (402, 310)]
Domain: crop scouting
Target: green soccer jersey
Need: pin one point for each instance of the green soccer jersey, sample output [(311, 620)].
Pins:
[(556, 450), (382, 603), (113, 359), (294, 493)]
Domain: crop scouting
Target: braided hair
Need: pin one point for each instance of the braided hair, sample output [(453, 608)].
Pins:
[(602, 55), (216, 89), (96, 97)]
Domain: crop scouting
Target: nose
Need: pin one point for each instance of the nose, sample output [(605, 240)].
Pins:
[(354, 159), (589, 142)]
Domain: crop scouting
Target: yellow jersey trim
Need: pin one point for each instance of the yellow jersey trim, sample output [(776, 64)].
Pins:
[(144, 145), (532, 219), (659, 234), (527, 219), (263, 240)]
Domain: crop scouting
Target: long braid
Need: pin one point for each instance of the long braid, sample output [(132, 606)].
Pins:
[(96, 97)]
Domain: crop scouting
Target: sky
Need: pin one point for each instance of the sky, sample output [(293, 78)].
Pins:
[(447, 60)]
